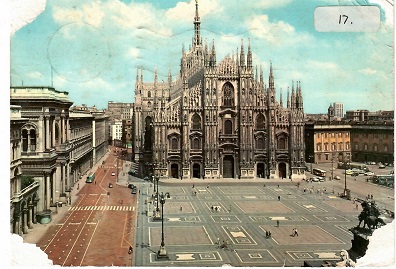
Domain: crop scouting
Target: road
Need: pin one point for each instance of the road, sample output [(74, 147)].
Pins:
[(99, 227)]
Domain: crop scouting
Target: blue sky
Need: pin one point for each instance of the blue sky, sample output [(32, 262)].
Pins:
[(94, 47)]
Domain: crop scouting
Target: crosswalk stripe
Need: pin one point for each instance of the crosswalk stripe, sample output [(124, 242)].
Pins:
[(100, 208)]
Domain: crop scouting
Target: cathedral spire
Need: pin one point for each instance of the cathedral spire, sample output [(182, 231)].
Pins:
[(249, 56), (170, 76), (141, 74), (242, 58), (271, 77), (281, 101), (155, 77), (288, 99), (237, 55), (213, 53), (197, 26)]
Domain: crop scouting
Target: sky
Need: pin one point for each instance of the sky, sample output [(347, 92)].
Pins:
[(92, 49)]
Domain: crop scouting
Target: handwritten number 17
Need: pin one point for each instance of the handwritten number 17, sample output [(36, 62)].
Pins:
[(343, 16)]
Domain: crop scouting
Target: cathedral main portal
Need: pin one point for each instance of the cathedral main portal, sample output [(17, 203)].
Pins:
[(175, 170), (196, 170), (228, 167)]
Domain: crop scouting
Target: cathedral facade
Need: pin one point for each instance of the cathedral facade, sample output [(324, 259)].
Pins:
[(217, 119)]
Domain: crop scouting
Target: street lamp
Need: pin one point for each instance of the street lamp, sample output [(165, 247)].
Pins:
[(345, 186), (157, 216), (162, 251)]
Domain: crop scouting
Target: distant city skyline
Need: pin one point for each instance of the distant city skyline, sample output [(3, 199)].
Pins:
[(92, 49)]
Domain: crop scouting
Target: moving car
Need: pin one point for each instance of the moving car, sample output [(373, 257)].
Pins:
[(337, 178), (369, 173)]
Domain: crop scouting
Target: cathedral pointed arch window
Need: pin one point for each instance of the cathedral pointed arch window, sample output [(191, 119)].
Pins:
[(196, 143), (260, 122), (281, 143), (196, 122), (260, 143), (228, 95), (174, 144), (149, 94), (227, 127)]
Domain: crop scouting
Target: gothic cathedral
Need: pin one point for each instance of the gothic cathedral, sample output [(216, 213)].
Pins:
[(217, 120)]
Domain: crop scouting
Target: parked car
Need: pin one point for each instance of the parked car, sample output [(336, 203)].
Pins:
[(147, 178), (131, 186), (113, 174), (348, 172), (337, 178), (369, 173), (134, 190), (381, 166), (314, 179), (110, 185)]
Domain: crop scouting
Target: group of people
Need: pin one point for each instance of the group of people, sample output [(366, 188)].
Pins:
[(223, 245), (268, 234), (294, 233)]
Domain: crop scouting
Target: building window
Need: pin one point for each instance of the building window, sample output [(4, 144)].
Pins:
[(196, 122), (332, 134), (260, 122), (174, 144), (281, 143), (228, 127), (326, 146), (196, 143), (228, 95), (318, 147), (333, 146), (340, 146), (386, 148), (347, 145), (260, 143), (375, 147), (325, 135), (318, 135), (365, 146), (339, 134)]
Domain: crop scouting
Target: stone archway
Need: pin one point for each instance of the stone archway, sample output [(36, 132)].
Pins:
[(282, 170), (260, 170), (196, 173), (228, 167), (174, 170)]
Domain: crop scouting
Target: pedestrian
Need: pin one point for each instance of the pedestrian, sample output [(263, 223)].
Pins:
[(295, 232), (130, 250), (195, 193), (371, 197), (212, 208), (218, 242), (181, 208), (216, 208), (193, 186), (277, 223), (78, 186), (207, 186), (278, 185), (269, 234), (278, 198), (264, 185)]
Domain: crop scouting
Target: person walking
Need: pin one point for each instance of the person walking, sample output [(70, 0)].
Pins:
[(278, 197), (277, 223), (295, 232)]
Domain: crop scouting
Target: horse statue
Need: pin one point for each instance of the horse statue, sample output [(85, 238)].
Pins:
[(370, 216), (345, 260)]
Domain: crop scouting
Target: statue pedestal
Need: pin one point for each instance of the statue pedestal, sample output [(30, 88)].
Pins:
[(360, 242)]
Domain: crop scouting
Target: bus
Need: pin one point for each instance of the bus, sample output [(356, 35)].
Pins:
[(385, 180), (360, 166), (319, 172), (90, 178)]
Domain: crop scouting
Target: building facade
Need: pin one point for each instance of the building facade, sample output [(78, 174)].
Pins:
[(58, 145), (338, 110), (373, 142), (327, 142), (23, 195), (217, 119)]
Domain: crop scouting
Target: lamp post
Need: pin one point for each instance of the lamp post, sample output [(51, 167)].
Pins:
[(162, 251), (345, 186), (157, 215)]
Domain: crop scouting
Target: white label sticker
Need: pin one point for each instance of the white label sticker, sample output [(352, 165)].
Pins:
[(347, 19)]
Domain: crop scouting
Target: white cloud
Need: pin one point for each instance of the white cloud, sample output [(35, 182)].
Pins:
[(277, 33), (133, 53), (322, 65), (267, 4), (368, 71), (186, 11), (35, 75), (23, 12)]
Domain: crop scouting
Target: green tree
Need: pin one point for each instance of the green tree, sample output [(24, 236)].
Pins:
[(26, 181)]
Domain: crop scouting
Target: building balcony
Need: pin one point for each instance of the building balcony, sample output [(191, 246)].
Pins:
[(18, 196), (47, 154)]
